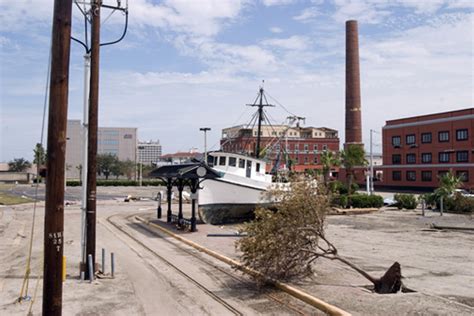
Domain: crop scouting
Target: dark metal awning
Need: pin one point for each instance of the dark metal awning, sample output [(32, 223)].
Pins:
[(185, 171)]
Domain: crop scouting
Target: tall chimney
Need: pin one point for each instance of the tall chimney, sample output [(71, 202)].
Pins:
[(353, 110)]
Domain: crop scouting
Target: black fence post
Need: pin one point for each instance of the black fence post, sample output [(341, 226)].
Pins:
[(169, 187), (158, 197)]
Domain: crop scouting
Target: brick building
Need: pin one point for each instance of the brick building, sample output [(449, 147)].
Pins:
[(304, 145), (417, 150)]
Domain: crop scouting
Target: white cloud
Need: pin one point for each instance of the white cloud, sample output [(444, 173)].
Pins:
[(203, 18), (307, 14), (276, 29), (293, 43), (270, 3)]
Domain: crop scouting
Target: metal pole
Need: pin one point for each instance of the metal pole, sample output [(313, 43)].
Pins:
[(91, 264), (442, 206), (93, 128), (260, 117), (112, 264), (205, 129), (56, 151), (169, 188), (371, 179), (85, 130), (423, 206), (159, 197), (103, 260)]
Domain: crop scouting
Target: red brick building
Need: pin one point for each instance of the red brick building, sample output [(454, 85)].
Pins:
[(303, 145), (417, 150)]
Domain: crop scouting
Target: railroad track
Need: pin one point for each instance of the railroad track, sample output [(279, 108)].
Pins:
[(290, 307)]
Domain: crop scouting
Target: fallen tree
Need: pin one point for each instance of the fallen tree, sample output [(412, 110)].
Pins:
[(283, 243)]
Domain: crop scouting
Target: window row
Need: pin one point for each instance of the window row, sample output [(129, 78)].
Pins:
[(426, 138), (232, 162), (443, 157), (427, 175)]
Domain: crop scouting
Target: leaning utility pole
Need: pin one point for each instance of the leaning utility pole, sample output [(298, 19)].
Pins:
[(57, 123), (92, 141)]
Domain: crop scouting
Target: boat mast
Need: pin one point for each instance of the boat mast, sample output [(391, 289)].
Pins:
[(260, 117)]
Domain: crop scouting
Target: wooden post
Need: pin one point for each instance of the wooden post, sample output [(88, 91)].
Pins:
[(56, 151), (92, 143)]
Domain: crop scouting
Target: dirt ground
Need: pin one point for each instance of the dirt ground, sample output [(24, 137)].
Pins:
[(438, 265)]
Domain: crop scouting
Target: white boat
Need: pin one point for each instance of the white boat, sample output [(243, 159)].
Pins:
[(236, 194)]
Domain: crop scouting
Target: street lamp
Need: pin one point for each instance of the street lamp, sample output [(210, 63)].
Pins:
[(205, 129), (140, 158)]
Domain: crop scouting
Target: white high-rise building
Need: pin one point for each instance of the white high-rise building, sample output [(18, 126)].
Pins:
[(149, 152), (120, 141)]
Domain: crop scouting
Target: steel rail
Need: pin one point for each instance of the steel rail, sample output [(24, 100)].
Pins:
[(170, 264), (212, 264)]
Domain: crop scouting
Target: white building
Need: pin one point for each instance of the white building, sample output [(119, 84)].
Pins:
[(149, 152), (120, 141)]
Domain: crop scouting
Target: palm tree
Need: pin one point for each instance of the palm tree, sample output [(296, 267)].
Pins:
[(448, 183), (329, 160), (353, 155), (19, 165)]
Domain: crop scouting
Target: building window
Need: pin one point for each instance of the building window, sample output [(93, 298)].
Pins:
[(411, 139), (297, 160), (232, 161), (396, 175), (257, 167), (461, 134), (315, 147), (315, 159), (426, 138), (462, 156), (305, 148), (426, 158), (411, 158), (396, 141), (411, 175), (426, 176), (396, 159), (325, 147), (306, 160), (443, 136), (444, 157), (442, 173), (463, 175), (242, 163)]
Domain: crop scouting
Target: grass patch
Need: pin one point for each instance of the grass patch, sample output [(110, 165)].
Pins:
[(9, 199)]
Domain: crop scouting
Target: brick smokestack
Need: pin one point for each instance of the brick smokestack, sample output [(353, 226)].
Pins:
[(353, 109)]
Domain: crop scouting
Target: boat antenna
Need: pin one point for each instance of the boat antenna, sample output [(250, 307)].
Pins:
[(260, 106)]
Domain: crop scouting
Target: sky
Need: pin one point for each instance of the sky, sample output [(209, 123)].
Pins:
[(186, 64)]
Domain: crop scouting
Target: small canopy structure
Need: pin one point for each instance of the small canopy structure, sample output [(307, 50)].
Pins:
[(191, 175)]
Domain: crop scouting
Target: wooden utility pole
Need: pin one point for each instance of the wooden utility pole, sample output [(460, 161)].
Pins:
[(93, 127), (57, 123)]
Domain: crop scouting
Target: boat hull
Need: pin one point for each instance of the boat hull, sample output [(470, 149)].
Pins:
[(222, 201)]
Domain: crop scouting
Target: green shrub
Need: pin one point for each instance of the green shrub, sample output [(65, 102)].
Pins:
[(341, 188), (406, 201), (366, 201), (459, 204), (118, 183), (339, 201)]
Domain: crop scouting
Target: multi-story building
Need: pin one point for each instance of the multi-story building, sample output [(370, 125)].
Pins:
[(120, 141), (417, 150), (180, 157), (149, 152), (303, 145)]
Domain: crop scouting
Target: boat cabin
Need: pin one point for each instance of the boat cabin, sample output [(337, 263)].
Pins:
[(239, 165)]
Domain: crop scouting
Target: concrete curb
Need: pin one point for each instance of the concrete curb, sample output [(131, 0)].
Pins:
[(299, 294)]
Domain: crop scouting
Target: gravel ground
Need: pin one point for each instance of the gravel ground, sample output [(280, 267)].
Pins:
[(438, 265)]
